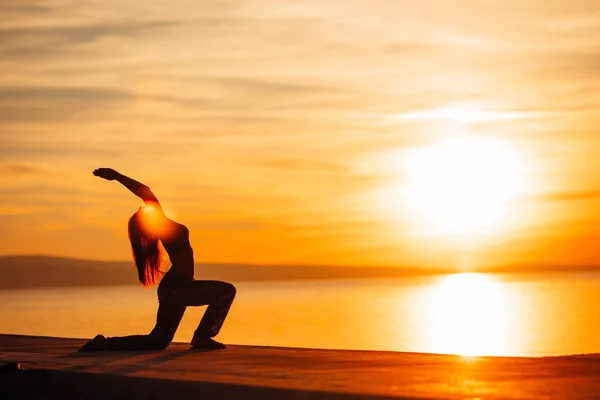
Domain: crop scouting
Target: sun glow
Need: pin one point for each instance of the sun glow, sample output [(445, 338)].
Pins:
[(154, 221), (462, 185), (467, 316)]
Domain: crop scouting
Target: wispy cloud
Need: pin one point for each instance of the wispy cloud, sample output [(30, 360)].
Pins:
[(300, 165), (52, 38), (16, 170), (591, 195), (34, 103)]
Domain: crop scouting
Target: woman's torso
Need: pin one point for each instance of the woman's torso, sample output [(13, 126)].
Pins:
[(176, 242)]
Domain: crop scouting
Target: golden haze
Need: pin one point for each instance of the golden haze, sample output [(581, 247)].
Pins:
[(303, 133)]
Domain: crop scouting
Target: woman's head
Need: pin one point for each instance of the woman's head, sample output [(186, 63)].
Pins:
[(146, 250)]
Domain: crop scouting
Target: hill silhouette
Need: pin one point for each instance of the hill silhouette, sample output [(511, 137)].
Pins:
[(26, 271)]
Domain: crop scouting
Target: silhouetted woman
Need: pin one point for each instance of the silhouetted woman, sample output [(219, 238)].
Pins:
[(148, 229)]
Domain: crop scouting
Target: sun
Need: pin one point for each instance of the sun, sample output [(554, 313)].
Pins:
[(462, 185)]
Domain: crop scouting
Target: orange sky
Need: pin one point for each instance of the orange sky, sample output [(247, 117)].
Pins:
[(278, 131)]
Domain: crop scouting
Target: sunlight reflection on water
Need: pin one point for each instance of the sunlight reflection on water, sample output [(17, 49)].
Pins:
[(467, 315)]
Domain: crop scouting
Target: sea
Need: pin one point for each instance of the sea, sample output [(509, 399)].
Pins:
[(470, 314)]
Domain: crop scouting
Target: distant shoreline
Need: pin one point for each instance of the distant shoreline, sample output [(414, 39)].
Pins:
[(31, 272)]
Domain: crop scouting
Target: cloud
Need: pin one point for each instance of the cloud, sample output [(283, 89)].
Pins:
[(16, 170), (15, 151), (239, 94), (230, 225), (38, 103), (232, 99), (60, 94), (589, 195), (580, 65), (296, 164), (9, 9), (35, 42), (271, 87)]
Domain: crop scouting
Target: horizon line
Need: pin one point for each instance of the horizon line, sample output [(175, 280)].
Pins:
[(499, 268)]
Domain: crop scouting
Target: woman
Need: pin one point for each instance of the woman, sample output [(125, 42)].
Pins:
[(148, 229)]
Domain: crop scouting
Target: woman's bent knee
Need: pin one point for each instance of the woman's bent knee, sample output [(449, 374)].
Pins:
[(231, 291)]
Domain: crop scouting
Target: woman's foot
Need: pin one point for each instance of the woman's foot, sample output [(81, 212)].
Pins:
[(206, 343), (95, 344)]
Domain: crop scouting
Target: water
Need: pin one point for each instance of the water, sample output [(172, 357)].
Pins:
[(470, 314)]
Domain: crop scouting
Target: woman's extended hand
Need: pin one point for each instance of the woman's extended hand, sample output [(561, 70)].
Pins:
[(106, 173)]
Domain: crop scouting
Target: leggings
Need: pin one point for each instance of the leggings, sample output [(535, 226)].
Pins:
[(173, 301)]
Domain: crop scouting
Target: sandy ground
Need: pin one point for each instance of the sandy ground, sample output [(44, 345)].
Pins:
[(53, 365)]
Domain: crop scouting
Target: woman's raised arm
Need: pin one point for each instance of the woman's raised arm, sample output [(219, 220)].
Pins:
[(137, 188)]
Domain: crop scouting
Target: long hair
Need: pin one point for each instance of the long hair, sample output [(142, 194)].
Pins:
[(147, 253)]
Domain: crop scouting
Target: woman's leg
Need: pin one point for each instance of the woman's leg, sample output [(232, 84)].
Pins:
[(172, 304), (167, 320), (218, 296)]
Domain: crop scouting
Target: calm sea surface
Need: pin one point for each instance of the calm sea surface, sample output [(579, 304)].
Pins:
[(470, 314)]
